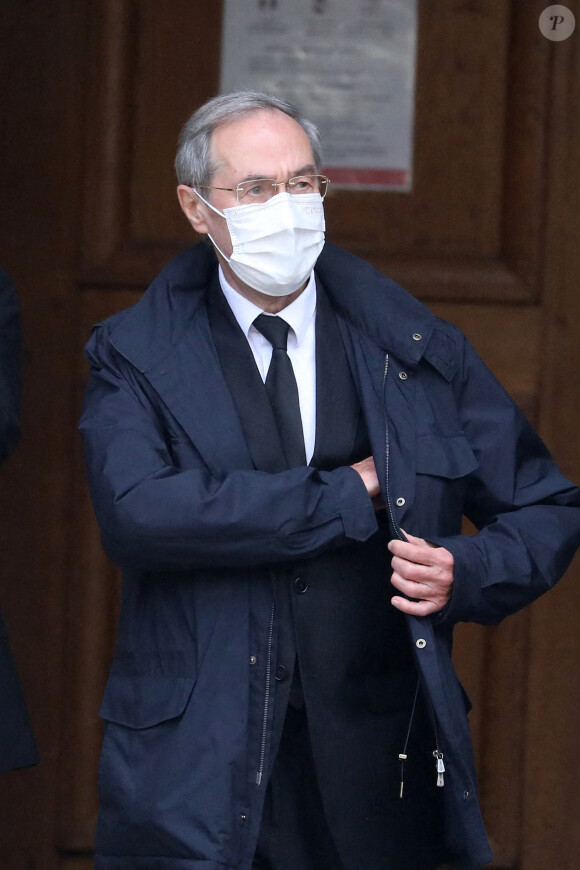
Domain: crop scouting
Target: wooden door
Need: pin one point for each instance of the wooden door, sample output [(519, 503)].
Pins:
[(487, 238)]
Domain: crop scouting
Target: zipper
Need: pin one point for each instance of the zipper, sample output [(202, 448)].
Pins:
[(437, 754), (402, 755), (387, 453), (260, 772)]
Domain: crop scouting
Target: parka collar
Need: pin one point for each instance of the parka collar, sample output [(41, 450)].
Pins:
[(376, 306), (147, 333)]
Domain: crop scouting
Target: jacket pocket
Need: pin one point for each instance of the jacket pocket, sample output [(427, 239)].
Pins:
[(447, 456), (443, 464), (141, 702)]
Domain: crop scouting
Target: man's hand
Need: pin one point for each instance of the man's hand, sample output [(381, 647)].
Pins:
[(422, 572), (366, 469)]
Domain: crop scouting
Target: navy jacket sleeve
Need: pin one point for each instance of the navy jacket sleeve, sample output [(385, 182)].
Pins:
[(10, 371), (157, 516), (527, 512)]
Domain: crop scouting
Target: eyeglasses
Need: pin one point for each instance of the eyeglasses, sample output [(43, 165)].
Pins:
[(262, 189)]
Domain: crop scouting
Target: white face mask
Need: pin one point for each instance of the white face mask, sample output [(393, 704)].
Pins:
[(275, 243)]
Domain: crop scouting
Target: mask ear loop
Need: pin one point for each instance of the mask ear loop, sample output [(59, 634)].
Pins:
[(209, 205), (221, 214), (227, 259)]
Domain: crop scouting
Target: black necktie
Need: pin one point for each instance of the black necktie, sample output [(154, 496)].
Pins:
[(282, 389)]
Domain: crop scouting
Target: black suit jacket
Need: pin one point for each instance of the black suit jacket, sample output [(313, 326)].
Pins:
[(17, 747)]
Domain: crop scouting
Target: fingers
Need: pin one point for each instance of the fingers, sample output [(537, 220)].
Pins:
[(418, 550), (418, 572), (415, 608), (366, 469), (423, 572), (434, 589), (419, 541)]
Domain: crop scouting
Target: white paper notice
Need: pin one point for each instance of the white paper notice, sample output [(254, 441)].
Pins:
[(349, 66)]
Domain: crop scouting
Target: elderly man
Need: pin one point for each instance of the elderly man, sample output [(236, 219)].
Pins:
[(17, 747), (281, 445)]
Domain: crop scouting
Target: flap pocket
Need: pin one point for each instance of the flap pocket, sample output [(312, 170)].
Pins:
[(448, 456), (143, 701)]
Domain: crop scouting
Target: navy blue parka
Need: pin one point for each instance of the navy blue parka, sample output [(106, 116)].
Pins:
[(195, 526)]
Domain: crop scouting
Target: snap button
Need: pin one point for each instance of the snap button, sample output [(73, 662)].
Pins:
[(465, 795), (253, 660), (400, 502), (421, 643), (300, 585), (281, 673), (417, 336), (403, 376)]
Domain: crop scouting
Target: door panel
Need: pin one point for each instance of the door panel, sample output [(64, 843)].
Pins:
[(469, 239), (488, 237)]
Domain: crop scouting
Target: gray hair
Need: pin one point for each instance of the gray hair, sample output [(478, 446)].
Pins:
[(194, 164)]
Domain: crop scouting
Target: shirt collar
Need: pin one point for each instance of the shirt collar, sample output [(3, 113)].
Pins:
[(298, 314)]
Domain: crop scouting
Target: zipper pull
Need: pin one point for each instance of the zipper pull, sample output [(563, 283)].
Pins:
[(402, 759), (440, 768)]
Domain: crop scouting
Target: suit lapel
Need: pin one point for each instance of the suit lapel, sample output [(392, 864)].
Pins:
[(337, 406), (245, 385)]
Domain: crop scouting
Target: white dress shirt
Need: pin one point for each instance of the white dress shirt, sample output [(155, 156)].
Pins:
[(300, 316)]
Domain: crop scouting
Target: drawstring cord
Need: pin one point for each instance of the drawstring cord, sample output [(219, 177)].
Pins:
[(403, 755)]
